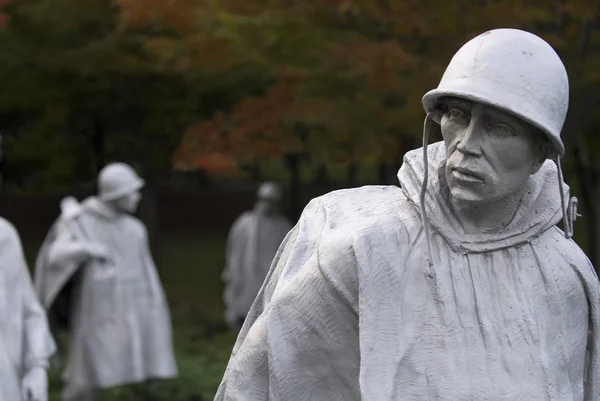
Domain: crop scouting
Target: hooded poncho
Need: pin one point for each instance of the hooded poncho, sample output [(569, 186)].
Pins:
[(25, 339), (352, 311), (251, 245), (121, 327)]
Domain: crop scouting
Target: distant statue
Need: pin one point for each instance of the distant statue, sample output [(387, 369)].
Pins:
[(26, 344), (456, 286), (120, 325), (251, 245)]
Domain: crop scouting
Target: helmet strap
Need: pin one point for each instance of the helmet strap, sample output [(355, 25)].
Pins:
[(569, 211), (426, 131)]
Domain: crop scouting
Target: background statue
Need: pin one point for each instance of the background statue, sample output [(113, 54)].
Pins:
[(120, 320), (26, 344), (456, 286), (251, 245)]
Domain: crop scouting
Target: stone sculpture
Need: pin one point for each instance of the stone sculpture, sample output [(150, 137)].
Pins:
[(26, 344), (456, 286), (120, 321), (251, 245)]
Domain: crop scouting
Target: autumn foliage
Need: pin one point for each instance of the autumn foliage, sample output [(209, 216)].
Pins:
[(340, 80), (332, 90), (3, 16), (348, 76), (219, 84)]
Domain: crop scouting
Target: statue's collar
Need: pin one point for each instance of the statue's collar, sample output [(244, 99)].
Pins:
[(538, 210), (100, 208)]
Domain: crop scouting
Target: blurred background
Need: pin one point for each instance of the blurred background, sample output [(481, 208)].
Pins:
[(207, 98)]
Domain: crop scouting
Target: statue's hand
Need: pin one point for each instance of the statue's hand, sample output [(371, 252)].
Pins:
[(34, 385), (97, 250)]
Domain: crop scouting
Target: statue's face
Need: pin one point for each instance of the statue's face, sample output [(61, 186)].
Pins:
[(490, 154), (268, 205), (128, 203)]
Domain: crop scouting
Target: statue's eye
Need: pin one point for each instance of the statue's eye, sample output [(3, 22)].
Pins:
[(502, 130), (457, 115)]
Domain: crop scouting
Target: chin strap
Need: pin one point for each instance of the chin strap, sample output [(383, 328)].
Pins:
[(569, 210), (426, 131)]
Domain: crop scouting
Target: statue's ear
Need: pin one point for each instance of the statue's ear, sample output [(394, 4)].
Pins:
[(543, 155)]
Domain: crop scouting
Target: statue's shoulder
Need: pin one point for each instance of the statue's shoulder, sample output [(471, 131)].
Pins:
[(135, 225), (376, 206), (245, 216), (241, 223), (358, 199), (8, 231), (560, 249), (554, 240), (352, 220)]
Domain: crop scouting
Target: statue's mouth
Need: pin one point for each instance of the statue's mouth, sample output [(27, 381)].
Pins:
[(466, 175)]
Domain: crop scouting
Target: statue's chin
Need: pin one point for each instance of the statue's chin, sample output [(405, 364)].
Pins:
[(467, 196), (131, 209)]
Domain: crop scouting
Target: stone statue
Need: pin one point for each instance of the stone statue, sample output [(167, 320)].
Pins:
[(26, 344), (456, 286), (251, 245), (120, 322)]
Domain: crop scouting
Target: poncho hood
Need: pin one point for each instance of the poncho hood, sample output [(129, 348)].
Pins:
[(538, 210), (100, 208)]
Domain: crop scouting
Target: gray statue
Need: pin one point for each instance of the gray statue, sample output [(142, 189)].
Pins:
[(120, 320), (26, 344), (456, 286), (251, 245)]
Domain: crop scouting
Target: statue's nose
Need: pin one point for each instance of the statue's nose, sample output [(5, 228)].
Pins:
[(470, 141)]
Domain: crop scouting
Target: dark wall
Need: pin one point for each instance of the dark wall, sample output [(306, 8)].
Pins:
[(203, 210)]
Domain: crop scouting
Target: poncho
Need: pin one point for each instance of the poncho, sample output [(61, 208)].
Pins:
[(351, 309), (120, 325), (25, 339), (251, 245)]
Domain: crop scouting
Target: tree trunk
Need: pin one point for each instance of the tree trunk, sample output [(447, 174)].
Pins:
[(589, 183), (293, 165), (98, 140), (256, 173), (2, 177), (321, 175), (2, 169), (148, 213), (352, 174), (405, 144), (382, 172)]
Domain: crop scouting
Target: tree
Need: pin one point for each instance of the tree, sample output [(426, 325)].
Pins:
[(330, 87), (104, 77), (338, 80), (86, 82), (349, 77), (575, 25), (352, 74)]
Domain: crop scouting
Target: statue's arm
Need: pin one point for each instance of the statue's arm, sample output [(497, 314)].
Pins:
[(67, 249), (300, 340), (234, 236), (38, 344), (592, 360), (147, 252)]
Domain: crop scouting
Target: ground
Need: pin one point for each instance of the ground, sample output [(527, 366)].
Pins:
[(190, 267)]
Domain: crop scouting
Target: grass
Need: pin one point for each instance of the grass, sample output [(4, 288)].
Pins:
[(190, 267)]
